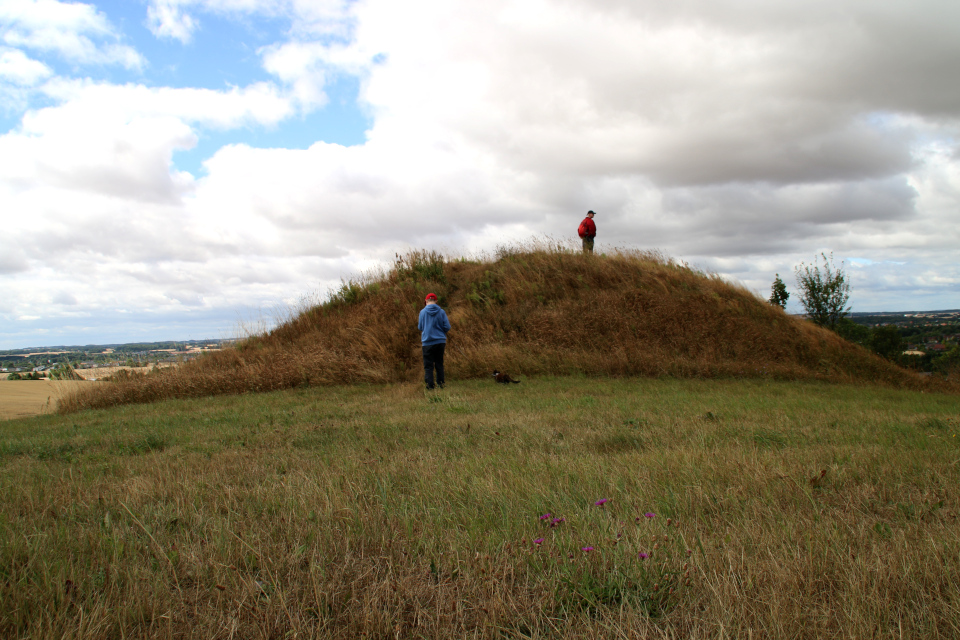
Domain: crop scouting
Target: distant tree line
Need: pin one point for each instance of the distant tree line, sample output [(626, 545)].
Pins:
[(824, 293), (32, 375)]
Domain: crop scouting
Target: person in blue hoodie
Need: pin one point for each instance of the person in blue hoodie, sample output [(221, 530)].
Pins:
[(433, 326)]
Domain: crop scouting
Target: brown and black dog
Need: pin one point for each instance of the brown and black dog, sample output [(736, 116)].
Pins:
[(504, 378)]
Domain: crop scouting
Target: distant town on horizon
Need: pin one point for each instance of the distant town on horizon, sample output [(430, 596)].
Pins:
[(167, 349)]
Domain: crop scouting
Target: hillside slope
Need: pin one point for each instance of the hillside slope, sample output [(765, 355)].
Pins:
[(545, 310)]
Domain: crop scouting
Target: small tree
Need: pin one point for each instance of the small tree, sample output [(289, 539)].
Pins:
[(778, 293), (824, 291), (64, 372), (855, 333), (948, 364), (887, 342)]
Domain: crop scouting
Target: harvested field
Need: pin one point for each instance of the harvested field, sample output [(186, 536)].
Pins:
[(23, 398), (102, 372)]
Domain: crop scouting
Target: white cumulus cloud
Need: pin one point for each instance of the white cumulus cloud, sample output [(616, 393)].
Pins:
[(167, 19), (17, 68), (119, 139), (743, 137), (75, 31)]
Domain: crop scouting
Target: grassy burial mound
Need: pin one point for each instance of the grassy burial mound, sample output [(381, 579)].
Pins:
[(541, 310)]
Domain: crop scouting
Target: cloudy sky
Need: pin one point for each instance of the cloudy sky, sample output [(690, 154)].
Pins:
[(171, 168)]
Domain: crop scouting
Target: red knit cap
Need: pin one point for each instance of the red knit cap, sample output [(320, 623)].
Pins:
[(430, 296)]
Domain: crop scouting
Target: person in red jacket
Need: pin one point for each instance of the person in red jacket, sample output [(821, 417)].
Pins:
[(588, 231)]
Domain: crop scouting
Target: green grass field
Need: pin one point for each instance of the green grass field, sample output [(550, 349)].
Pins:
[(778, 510)]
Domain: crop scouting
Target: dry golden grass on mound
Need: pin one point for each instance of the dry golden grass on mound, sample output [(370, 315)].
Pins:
[(540, 309)]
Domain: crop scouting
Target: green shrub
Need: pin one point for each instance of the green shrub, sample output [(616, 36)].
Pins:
[(824, 291)]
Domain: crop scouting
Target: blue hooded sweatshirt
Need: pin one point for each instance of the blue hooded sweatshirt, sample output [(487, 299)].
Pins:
[(434, 325)]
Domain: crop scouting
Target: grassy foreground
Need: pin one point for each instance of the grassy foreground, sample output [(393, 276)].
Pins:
[(764, 509)]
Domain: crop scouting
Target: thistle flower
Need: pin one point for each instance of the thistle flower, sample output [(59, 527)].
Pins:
[(601, 502), (650, 514), (643, 556), (546, 516), (586, 549), (538, 541)]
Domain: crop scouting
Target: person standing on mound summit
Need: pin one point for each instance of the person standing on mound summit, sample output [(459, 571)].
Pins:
[(588, 231), (433, 325)]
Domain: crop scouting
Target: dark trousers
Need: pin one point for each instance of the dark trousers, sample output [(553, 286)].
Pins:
[(433, 357)]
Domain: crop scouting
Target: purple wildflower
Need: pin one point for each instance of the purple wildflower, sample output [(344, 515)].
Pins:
[(546, 516), (600, 502), (538, 541), (587, 549), (556, 521), (650, 514), (644, 556)]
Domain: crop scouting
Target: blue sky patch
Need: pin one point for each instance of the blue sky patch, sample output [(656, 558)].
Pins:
[(340, 121), (223, 52)]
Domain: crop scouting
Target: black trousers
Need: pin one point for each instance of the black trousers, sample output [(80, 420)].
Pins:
[(433, 358)]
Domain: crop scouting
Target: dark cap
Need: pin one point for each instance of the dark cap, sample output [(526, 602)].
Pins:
[(593, 212)]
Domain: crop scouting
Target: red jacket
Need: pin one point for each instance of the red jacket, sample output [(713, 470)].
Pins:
[(587, 228)]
